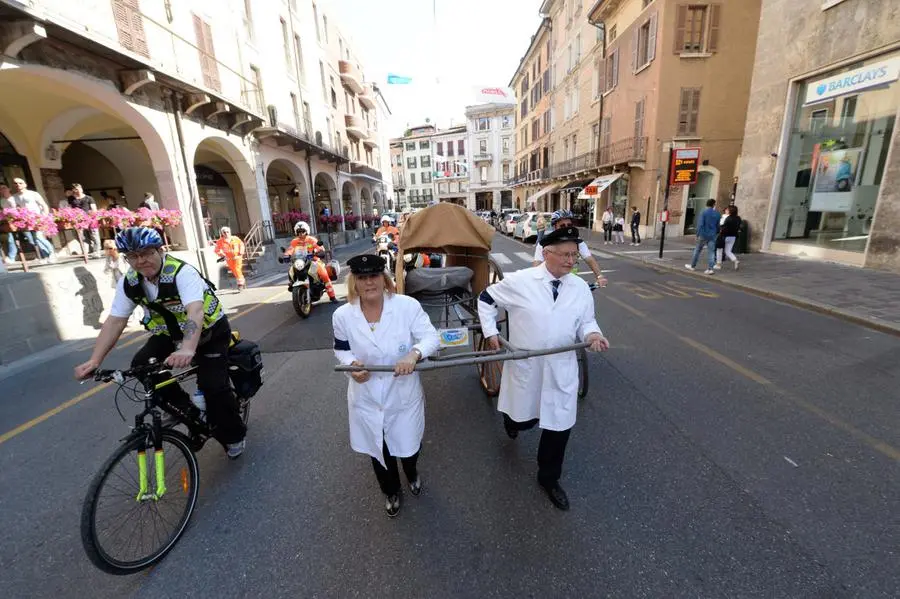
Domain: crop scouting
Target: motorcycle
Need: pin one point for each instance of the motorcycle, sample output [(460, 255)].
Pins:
[(305, 286), (387, 249)]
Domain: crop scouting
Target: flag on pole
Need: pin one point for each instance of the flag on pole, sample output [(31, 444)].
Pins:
[(398, 79)]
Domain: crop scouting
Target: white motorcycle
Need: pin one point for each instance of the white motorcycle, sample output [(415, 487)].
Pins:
[(387, 249)]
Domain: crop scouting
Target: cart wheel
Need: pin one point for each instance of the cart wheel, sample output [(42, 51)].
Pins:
[(496, 274), (488, 372), (582, 373)]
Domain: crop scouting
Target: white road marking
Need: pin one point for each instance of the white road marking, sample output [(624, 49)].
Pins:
[(525, 256), (501, 259), (791, 462), (601, 254), (590, 274), (651, 251)]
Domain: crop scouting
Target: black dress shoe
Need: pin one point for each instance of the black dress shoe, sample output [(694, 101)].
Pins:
[(557, 496), (509, 427)]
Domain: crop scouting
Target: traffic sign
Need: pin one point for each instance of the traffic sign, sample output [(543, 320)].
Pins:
[(684, 165)]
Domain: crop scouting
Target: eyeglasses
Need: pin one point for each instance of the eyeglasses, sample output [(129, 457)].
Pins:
[(569, 256), (142, 255)]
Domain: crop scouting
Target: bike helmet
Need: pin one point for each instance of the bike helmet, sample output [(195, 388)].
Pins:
[(560, 215), (301, 225), (386, 219), (135, 239)]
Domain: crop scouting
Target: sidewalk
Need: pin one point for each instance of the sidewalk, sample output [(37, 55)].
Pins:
[(865, 296)]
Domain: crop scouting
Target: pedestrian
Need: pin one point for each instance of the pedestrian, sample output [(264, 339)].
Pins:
[(608, 218), (731, 226), (619, 230), (635, 226), (114, 266), (7, 201), (150, 202), (231, 249), (32, 201), (548, 307), (707, 231), (86, 203), (386, 410)]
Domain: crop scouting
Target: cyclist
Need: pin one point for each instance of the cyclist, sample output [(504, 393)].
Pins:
[(187, 323), (563, 219), (307, 245)]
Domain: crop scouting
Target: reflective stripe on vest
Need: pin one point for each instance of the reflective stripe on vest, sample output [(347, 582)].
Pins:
[(168, 312)]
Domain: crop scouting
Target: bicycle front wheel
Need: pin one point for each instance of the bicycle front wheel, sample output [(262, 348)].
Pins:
[(125, 530)]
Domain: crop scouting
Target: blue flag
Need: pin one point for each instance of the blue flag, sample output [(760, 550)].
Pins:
[(397, 79)]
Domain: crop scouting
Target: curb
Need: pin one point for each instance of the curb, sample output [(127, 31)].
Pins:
[(786, 298)]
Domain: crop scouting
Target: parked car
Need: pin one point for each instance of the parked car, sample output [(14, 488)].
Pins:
[(508, 224), (523, 219), (502, 218), (526, 229)]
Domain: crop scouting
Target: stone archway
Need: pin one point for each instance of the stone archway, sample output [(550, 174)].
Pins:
[(378, 202), (288, 193), (325, 194), (349, 198), (226, 187), (365, 201)]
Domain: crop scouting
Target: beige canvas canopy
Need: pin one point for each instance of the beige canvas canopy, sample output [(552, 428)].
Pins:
[(452, 230)]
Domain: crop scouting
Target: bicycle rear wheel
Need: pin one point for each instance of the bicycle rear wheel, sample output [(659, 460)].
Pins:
[(123, 534)]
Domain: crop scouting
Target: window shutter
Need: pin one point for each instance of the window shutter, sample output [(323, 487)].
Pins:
[(615, 70), (715, 15), (695, 112), (635, 44), (639, 119), (684, 109), (681, 15), (130, 26), (651, 38), (601, 77), (123, 24)]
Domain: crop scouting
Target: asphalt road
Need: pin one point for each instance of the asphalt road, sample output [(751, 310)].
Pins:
[(731, 446)]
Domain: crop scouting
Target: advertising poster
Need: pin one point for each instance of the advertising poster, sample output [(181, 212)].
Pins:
[(834, 184)]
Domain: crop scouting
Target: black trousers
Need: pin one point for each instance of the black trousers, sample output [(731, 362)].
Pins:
[(635, 233), (607, 231), (212, 378), (551, 449), (389, 478)]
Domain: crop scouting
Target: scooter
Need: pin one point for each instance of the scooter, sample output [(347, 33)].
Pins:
[(305, 286)]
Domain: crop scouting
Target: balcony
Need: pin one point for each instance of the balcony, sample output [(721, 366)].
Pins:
[(356, 127), (367, 97), (350, 76), (513, 181), (371, 139), (286, 135), (483, 157), (631, 149), (358, 168)]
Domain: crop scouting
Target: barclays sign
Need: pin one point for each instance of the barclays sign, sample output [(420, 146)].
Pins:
[(880, 73)]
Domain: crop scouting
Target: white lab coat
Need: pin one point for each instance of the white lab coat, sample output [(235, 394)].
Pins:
[(545, 387), (385, 408)]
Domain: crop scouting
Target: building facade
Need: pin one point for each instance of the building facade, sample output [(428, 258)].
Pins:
[(417, 156), (820, 168), (492, 142), (233, 113), (451, 168)]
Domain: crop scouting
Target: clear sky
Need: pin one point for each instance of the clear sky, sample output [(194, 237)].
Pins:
[(471, 43)]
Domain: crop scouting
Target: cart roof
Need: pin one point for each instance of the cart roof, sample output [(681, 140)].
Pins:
[(444, 225)]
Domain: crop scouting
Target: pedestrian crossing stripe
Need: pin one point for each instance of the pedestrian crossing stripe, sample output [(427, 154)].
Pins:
[(601, 254), (501, 259), (525, 256)]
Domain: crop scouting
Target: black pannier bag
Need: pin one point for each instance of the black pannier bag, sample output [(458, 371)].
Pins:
[(245, 368)]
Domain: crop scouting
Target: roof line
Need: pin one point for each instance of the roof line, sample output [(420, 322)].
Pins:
[(545, 22)]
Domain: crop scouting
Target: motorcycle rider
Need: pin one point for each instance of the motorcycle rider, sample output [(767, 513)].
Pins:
[(186, 323), (387, 228), (306, 245)]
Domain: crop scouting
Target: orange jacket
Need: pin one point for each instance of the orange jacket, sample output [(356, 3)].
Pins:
[(389, 230), (230, 248), (307, 246)]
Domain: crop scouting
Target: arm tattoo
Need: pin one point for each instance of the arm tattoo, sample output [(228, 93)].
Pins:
[(190, 329)]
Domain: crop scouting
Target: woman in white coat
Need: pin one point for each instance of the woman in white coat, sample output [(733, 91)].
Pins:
[(548, 307), (387, 410)]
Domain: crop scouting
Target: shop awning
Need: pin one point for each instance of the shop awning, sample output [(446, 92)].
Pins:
[(579, 185), (544, 191), (593, 190)]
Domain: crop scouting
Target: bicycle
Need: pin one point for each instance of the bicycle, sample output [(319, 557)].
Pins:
[(165, 488)]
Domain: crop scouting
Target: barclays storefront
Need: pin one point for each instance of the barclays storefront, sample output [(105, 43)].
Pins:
[(835, 153)]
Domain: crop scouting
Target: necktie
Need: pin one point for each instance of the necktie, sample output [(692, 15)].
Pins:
[(555, 283)]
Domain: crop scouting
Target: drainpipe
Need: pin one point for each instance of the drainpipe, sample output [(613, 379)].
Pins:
[(173, 100), (312, 206)]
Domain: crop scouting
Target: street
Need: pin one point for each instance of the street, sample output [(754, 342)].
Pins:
[(730, 446)]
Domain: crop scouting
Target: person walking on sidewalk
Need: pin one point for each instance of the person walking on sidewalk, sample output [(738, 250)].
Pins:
[(635, 226), (619, 231), (32, 201), (86, 203), (607, 220), (707, 231), (731, 226), (230, 248)]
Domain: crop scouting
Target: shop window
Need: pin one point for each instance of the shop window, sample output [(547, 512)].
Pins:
[(835, 161)]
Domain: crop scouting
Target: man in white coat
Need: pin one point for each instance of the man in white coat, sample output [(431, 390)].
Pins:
[(548, 307)]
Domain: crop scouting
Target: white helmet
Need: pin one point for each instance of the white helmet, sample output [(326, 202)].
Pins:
[(386, 219), (301, 226)]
